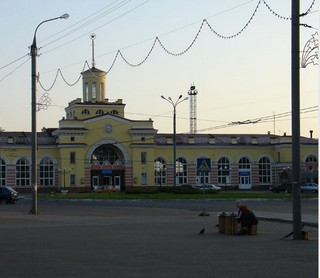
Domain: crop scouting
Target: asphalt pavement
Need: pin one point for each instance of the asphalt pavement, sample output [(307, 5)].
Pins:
[(119, 239)]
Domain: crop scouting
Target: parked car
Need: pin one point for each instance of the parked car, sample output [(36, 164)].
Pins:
[(7, 194), (106, 189), (285, 187), (187, 186), (309, 187), (208, 187)]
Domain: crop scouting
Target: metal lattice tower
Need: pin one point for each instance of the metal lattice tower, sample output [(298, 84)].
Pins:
[(193, 108)]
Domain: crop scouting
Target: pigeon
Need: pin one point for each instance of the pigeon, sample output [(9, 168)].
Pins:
[(201, 232)]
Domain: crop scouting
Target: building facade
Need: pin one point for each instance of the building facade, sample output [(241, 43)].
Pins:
[(96, 145)]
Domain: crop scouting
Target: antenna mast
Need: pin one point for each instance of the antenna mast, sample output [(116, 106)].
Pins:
[(193, 108), (92, 37)]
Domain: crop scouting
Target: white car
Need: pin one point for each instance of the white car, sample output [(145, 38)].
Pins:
[(309, 187), (208, 187)]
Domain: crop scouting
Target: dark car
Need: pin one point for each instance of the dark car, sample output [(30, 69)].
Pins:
[(8, 195), (185, 189), (187, 186), (285, 187)]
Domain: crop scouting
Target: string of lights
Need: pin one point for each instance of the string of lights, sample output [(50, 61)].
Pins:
[(157, 40)]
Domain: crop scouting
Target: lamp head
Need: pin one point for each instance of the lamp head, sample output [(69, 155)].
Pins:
[(65, 16)]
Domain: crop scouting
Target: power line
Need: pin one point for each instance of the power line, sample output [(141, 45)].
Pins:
[(265, 119), (101, 13), (11, 72), (93, 30), (14, 61), (156, 40)]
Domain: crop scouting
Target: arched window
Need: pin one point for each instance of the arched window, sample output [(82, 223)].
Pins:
[(181, 171), (224, 171), (85, 112), (86, 92), (99, 112), (160, 171), (311, 159), (244, 163), (46, 172), (105, 154), (264, 170), (114, 112), (2, 172), (23, 172), (94, 90)]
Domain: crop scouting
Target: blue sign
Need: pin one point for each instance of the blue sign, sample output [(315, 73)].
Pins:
[(106, 172), (203, 165), (244, 173)]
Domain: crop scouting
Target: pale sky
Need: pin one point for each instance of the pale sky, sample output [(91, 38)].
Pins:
[(238, 79)]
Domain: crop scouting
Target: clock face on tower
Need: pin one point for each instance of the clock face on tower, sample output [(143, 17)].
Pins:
[(108, 128)]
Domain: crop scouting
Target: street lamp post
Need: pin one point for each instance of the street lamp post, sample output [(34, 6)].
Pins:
[(63, 172), (34, 141), (174, 104)]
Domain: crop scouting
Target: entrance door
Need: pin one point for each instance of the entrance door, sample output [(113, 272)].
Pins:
[(107, 181), (117, 182), (244, 180), (95, 182)]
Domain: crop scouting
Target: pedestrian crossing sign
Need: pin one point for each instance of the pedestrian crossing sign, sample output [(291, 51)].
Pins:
[(203, 165)]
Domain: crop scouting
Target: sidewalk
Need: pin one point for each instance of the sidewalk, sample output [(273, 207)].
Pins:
[(84, 240), (308, 220)]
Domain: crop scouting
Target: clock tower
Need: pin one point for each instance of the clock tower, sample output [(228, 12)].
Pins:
[(94, 101)]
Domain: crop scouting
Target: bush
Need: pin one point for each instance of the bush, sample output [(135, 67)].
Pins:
[(142, 190)]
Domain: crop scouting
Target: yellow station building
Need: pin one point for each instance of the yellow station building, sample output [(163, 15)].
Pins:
[(95, 145)]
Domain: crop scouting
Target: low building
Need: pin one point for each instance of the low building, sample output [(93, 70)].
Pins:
[(96, 145)]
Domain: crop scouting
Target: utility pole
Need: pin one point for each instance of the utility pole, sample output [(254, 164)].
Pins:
[(295, 119), (34, 138)]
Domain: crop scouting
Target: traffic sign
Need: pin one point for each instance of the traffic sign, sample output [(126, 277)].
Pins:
[(203, 165)]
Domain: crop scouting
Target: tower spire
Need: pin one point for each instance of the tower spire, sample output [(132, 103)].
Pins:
[(92, 37)]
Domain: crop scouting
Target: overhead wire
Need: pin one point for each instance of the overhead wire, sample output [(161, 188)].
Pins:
[(93, 30), (15, 69), (266, 119), (83, 20), (204, 21)]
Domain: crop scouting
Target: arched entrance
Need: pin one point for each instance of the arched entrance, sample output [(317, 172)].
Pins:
[(107, 168)]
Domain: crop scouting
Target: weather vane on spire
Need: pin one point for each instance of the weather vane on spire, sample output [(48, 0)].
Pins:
[(92, 37)]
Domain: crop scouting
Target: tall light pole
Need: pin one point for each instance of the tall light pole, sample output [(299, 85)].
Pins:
[(295, 119), (174, 104), (34, 141)]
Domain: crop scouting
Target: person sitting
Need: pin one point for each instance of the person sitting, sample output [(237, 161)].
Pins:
[(246, 217)]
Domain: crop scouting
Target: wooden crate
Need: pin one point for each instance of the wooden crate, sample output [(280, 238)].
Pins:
[(253, 230)]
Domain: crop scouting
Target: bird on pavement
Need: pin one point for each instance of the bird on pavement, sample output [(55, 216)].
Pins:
[(201, 232)]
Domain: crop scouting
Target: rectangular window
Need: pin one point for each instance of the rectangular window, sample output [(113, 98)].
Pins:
[(72, 179), (143, 158), (72, 158), (143, 178), (2, 173), (72, 139)]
